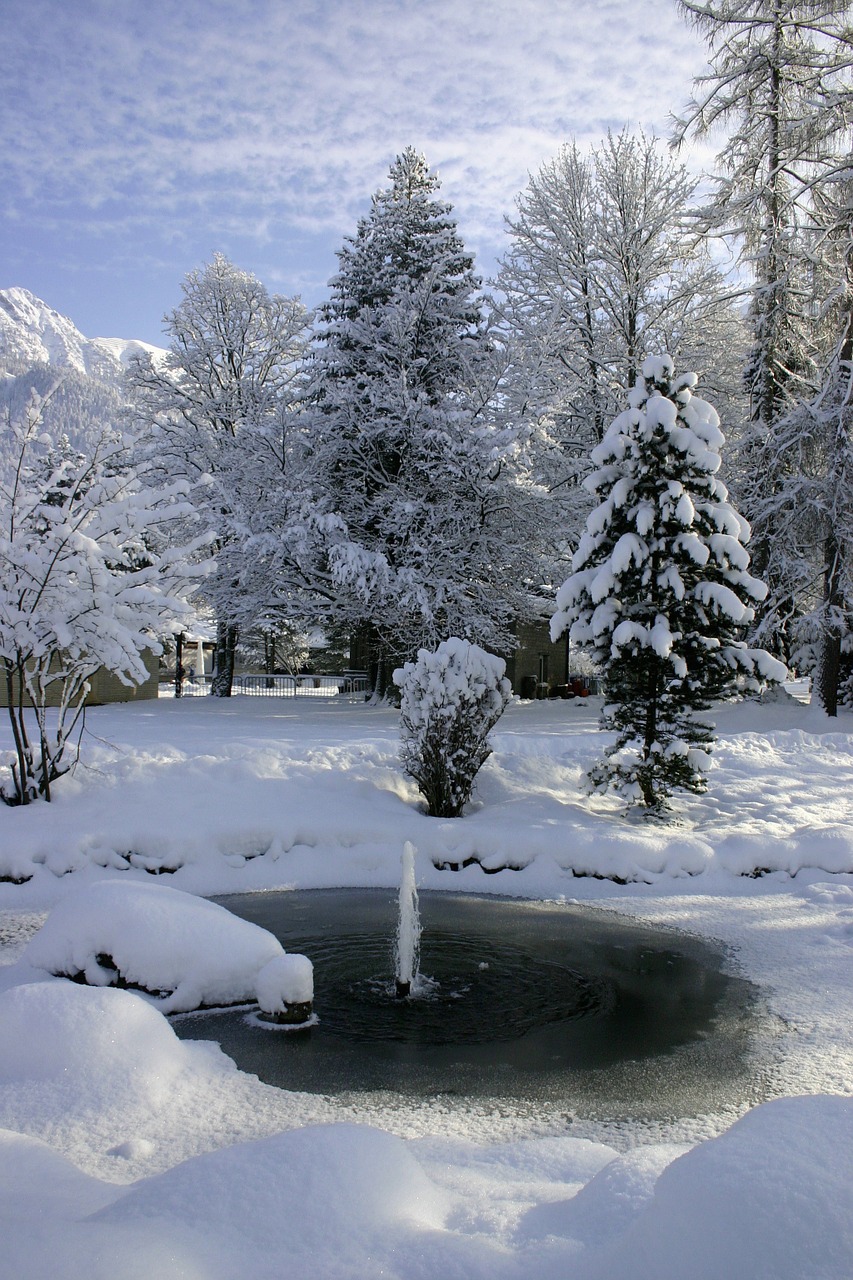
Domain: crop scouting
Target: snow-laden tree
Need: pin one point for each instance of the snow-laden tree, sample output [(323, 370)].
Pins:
[(661, 592), (809, 500), (780, 83), (406, 436), (86, 581), (451, 700), (604, 266), (221, 410)]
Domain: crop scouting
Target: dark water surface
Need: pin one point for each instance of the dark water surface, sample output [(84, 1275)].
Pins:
[(563, 1004)]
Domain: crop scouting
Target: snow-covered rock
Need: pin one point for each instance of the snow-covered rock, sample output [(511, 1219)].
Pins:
[(285, 980), (181, 949)]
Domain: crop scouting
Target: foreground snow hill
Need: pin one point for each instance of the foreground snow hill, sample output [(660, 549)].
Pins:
[(127, 1153)]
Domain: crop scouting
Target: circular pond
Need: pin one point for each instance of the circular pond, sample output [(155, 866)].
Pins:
[(537, 1002)]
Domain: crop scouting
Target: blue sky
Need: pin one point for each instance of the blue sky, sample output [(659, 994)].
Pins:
[(143, 135)]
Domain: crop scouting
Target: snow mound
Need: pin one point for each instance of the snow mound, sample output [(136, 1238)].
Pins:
[(772, 1199), (34, 1177), (607, 1205), (185, 951), (305, 1191), (107, 1045)]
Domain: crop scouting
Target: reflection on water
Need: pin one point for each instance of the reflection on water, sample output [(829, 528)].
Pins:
[(535, 1002)]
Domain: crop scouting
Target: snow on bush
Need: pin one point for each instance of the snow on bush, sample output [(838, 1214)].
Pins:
[(173, 945), (451, 699), (81, 585)]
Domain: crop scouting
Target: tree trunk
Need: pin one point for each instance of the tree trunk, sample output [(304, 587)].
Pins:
[(829, 662), (20, 772), (650, 796), (179, 665), (223, 659)]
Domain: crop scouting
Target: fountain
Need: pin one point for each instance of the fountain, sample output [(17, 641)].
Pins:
[(408, 942), (535, 1007)]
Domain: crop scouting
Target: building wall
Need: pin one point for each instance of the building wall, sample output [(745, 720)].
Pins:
[(536, 659), (107, 687)]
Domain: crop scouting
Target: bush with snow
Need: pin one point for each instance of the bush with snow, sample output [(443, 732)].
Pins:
[(451, 699), (86, 581), (179, 948), (661, 592)]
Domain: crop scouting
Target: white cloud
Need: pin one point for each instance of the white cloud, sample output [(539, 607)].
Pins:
[(264, 118)]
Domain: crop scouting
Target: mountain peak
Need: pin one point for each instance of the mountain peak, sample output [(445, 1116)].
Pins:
[(32, 332)]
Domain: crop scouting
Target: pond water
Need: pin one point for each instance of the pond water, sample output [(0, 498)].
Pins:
[(541, 1003)]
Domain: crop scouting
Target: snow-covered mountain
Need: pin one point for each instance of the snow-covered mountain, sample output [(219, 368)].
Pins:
[(32, 333), (79, 378)]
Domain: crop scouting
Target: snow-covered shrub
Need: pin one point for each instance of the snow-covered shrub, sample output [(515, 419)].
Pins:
[(661, 594), (450, 700), (86, 581)]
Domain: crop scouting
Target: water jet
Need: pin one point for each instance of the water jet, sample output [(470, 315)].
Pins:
[(408, 940)]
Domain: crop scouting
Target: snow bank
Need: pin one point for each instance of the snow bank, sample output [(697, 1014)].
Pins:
[(100, 1044), (336, 1200), (772, 1199), (181, 949), (261, 795)]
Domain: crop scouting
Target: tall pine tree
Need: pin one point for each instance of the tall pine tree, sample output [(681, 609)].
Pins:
[(405, 436), (660, 591)]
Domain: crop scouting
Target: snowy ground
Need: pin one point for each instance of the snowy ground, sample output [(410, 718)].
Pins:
[(126, 1153)]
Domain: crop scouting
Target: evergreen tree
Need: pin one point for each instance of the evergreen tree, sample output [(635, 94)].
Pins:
[(660, 590), (406, 439)]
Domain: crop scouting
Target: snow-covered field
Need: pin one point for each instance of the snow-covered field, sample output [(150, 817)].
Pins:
[(127, 1153)]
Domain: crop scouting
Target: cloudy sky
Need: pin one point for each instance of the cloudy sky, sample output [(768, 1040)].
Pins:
[(140, 136)]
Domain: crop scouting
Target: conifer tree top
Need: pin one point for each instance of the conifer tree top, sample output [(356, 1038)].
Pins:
[(409, 234)]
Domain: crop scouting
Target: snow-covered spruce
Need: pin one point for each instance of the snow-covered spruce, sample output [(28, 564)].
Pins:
[(451, 699), (410, 442), (184, 951), (661, 591)]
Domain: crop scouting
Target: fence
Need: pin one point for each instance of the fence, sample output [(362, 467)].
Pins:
[(351, 686)]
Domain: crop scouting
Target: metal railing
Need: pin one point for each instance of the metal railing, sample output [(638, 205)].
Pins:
[(350, 686)]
